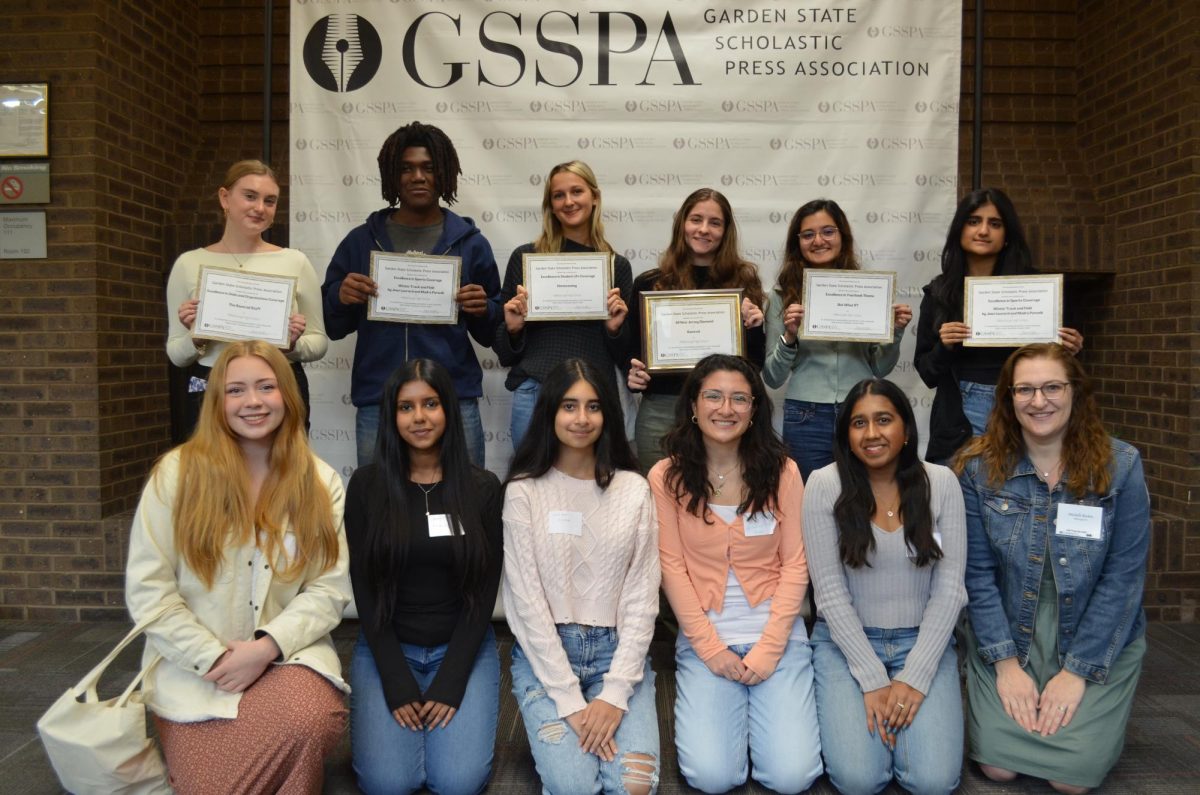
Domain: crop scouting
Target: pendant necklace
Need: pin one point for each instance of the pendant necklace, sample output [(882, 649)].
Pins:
[(720, 484), (426, 492), (235, 256)]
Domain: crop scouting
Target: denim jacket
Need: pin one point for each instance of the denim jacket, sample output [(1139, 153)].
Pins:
[(1099, 582)]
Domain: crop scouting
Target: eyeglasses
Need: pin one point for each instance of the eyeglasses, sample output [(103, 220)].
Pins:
[(1051, 390), (740, 401), (826, 233)]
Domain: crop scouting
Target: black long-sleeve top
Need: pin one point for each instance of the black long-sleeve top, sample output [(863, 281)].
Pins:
[(429, 609), (536, 349), (672, 383)]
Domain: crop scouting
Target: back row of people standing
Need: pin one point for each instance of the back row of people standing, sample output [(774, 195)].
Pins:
[(419, 171)]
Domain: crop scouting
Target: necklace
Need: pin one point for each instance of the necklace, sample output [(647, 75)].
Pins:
[(720, 484), (236, 258), (427, 492), (1047, 473)]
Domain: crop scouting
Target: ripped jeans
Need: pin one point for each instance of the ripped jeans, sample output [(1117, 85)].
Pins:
[(563, 767)]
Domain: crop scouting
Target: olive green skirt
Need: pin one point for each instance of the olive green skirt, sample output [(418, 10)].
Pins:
[(1080, 754)]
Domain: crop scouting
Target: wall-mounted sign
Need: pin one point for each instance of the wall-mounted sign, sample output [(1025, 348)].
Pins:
[(24, 119), (23, 235), (24, 183)]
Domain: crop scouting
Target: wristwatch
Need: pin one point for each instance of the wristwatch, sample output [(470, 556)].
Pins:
[(791, 345)]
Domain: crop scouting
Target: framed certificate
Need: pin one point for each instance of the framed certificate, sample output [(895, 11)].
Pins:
[(1007, 311), (854, 306), (567, 286), (681, 327), (414, 288), (239, 305), (24, 119)]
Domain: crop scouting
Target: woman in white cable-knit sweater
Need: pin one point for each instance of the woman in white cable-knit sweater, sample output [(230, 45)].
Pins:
[(581, 580)]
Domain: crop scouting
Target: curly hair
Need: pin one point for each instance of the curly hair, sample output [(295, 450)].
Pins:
[(761, 452), (1086, 451), (791, 274), (441, 151), (728, 268)]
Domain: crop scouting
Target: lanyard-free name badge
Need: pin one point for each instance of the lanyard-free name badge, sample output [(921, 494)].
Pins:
[(567, 523), (439, 525), (1080, 521), (760, 524)]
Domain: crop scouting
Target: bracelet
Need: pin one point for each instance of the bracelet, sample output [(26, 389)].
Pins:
[(791, 345)]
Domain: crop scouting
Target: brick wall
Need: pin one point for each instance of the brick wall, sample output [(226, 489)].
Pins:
[(1090, 118)]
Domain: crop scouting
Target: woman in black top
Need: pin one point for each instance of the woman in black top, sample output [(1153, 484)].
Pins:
[(702, 255), (571, 224), (424, 531), (985, 239)]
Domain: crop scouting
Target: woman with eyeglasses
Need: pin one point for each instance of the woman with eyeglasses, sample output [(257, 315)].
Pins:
[(733, 568), (702, 255), (985, 239), (1058, 527), (818, 373)]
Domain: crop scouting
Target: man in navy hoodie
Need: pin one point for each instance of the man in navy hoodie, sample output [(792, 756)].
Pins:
[(417, 166)]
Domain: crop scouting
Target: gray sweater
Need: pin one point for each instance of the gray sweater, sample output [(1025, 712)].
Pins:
[(892, 592)]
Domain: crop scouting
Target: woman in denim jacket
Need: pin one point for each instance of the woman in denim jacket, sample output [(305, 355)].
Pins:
[(1059, 646)]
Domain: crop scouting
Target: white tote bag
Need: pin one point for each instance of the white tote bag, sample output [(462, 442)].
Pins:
[(100, 747)]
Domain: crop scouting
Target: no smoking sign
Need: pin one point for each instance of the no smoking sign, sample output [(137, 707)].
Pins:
[(24, 183), (12, 188)]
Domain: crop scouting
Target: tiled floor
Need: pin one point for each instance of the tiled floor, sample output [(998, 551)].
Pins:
[(39, 661)]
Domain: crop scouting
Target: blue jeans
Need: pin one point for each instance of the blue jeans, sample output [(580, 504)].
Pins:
[(721, 727), (563, 767), (977, 401), (808, 432), (388, 758), (523, 400), (366, 428), (927, 757)]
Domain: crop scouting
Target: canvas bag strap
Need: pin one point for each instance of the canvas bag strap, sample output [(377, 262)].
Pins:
[(87, 685)]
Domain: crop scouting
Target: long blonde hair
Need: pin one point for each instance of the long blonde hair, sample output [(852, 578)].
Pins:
[(212, 508), (550, 241)]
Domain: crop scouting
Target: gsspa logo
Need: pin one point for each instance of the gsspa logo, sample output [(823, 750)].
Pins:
[(342, 52)]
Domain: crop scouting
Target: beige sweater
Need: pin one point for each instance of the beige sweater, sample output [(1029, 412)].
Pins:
[(607, 576)]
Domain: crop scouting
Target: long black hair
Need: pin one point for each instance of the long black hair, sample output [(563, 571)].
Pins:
[(1014, 259), (856, 504), (761, 452), (388, 531), (538, 451), (441, 150)]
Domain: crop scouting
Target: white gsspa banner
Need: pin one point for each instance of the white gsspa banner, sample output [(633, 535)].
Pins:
[(773, 105)]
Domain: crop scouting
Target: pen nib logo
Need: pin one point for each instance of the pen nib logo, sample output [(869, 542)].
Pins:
[(342, 52)]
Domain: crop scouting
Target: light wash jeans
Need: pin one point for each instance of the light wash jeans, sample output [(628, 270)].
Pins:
[(927, 758), (977, 401), (388, 758), (366, 428), (563, 767), (523, 400), (808, 432), (724, 727)]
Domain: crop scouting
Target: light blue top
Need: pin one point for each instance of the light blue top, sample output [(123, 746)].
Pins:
[(818, 370)]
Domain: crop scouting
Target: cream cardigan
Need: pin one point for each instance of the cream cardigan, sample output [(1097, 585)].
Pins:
[(192, 634)]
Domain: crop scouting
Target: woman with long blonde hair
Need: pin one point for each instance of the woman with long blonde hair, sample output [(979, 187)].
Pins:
[(249, 197), (1058, 528), (238, 535), (571, 224)]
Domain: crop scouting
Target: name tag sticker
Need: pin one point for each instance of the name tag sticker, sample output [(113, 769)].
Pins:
[(1080, 521), (439, 525), (568, 523), (760, 524)]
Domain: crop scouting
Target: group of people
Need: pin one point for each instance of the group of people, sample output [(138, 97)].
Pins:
[(1039, 526)]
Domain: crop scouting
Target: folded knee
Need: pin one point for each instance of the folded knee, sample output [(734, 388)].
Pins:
[(929, 781), (639, 773), (997, 773), (552, 732), (713, 778)]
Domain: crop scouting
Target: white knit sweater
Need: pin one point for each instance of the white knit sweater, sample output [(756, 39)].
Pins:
[(606, 576)]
